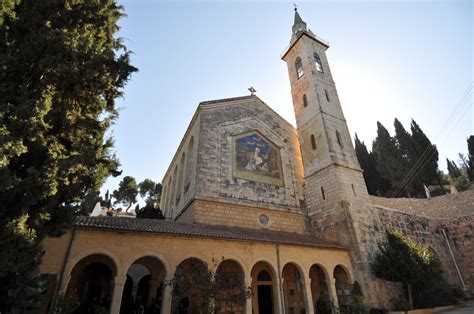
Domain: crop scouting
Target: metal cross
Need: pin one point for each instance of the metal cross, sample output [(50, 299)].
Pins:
[(252, 90)]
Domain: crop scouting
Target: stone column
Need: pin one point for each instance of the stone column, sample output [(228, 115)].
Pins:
[(308, 296), (248, 301), (280, 299), (167, 296), (333, 295), (119, 283)]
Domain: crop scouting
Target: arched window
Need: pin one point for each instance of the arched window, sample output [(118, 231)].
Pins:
[(189, 165), (317, 61), (327, 95), (313, 142), (299, 67), (305, 100)]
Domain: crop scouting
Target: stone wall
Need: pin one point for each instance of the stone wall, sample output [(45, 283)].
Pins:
[(422, 220), (220, 122), (460, 232), (446, 206), (237, 215)]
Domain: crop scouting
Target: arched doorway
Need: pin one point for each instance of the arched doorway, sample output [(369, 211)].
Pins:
[(93, 280), (191, 287), (230, 288), (264, 289), (293, 289), (342, 288), (319, 290), (143, 287)]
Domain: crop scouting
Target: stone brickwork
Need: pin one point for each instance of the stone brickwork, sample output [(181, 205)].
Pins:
[(446, 206), (422, 220), (235, 215), (460, 232)]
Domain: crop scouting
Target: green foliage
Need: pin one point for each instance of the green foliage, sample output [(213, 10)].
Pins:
[(375, 183), (21, 282), (453, 169), (322, 307), (127, 192), (406, 161), (427, 153), (151, 191), (62, 69), (149, 212), (470, 149), (387, 157), (416, 267), (67, 302), (400, 305), (357, 305)]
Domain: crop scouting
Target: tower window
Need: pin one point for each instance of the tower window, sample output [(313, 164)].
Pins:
[(305, 101), (317, 62), (338, 137), (313, 142), (299, 68), (353, 189), (322, 193), (327, 95)]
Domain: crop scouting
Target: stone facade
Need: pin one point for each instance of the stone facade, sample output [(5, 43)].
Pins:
[(244, 182)]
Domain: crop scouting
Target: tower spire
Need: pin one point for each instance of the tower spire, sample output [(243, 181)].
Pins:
[(299, 25)]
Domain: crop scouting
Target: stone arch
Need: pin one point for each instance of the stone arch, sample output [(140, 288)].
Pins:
[(293, 288), (264, 288), (148, 273), (174, 193), (100, 251), (191, 286), (320, 291), (189, 165), (230, 287), (92, 277), (343, 291)]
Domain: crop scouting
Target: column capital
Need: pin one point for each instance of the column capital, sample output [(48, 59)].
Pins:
[(120, 280)]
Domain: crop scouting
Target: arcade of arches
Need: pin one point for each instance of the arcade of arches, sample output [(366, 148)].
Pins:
[(107, 270)]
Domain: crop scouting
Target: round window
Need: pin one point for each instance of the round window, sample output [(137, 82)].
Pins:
[(263, 220)]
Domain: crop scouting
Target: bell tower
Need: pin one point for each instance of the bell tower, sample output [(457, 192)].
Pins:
[(335, 192)]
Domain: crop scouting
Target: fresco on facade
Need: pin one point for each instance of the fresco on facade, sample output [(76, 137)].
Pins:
[(256, 159)]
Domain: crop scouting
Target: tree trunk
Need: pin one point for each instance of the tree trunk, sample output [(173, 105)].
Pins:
[(410, 296)]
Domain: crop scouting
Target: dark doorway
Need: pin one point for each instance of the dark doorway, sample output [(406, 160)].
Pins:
[(265, 300)]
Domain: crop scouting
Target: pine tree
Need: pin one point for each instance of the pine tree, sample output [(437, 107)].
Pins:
[(387, 157), (375, 184), (61, 70), (127, 192), (427, 156)]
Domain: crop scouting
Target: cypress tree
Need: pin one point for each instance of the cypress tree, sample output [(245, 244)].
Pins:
[(387, 157), (61, 70), (453, 169), (470, 159), (408, 154), (427, 153), (375, 184)]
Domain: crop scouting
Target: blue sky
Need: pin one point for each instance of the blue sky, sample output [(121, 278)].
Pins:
[(389, 59)]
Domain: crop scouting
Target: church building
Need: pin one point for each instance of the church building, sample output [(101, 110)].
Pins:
[(280, 216)]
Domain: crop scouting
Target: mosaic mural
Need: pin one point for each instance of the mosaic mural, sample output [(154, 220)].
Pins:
[(256, 158)]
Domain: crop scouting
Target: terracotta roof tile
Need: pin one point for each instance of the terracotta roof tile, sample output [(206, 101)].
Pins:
[(154, 226)]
